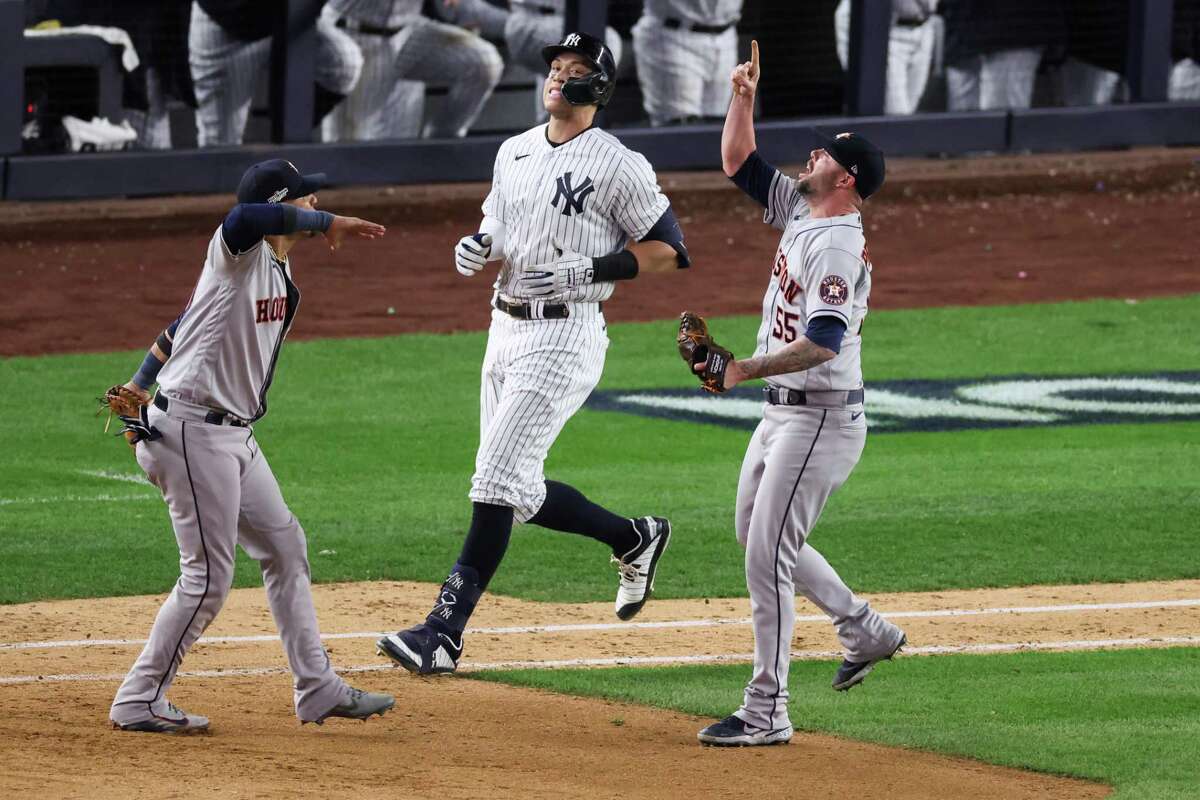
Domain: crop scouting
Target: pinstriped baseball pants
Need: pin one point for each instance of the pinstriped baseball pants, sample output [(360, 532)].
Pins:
[(683, 73), (225, 72), (536, 375), (798, 456), (389, 100)]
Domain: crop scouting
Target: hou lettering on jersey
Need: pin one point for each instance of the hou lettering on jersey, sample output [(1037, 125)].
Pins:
[(270, 309)]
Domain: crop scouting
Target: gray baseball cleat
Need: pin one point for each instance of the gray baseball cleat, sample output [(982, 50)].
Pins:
[(637, 567), (852, 673), (173, 720), (359, 705), (733, 731)]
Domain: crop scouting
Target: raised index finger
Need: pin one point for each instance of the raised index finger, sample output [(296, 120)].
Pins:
[(754, 55)]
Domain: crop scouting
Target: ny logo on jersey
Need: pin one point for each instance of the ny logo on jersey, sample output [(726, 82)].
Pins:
[(572, 198)]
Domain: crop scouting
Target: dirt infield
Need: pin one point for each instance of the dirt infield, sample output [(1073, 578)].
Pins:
[(60, 663), (968, 231)]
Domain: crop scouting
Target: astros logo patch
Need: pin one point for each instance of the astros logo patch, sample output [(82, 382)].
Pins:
[(834, 290)]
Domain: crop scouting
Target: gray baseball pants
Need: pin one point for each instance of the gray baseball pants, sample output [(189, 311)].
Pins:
[(798, 456), (220, 493)]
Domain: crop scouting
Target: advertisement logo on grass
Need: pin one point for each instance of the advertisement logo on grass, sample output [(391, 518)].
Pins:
[(998, 402)]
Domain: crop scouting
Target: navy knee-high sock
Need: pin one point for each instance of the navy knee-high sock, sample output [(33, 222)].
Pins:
[(487, 540), (566, 509)]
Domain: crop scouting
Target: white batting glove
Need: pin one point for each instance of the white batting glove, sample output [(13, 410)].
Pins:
[(570, 271), (471, 253)]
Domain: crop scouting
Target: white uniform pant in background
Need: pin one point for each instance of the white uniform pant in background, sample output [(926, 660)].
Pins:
[(910, 60), (798, 456), (682, 73), (1185, 80), (536, 374), (1003, 79), (221, 492), (389, 100), (226, 70)]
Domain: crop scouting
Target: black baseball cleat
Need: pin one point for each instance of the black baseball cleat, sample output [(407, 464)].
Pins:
[(736, 732), (852, 673), (637, 567), (422, 650)]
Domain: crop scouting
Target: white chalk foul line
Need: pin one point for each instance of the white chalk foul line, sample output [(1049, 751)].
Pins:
[(634, 661), (76, 498), (617, 626)]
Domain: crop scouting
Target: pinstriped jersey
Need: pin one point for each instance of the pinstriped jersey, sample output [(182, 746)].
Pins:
[(821, 269), (228, 342), (590, 195), (380, 13), (702, 12)]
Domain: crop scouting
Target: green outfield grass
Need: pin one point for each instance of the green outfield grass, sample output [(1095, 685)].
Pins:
[(373, 442), (1126, 718)]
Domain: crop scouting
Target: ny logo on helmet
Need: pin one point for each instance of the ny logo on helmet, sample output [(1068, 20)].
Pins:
[(571, 41), (572, 197)]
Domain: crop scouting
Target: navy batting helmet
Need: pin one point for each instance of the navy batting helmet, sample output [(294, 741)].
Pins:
[(596, 88)]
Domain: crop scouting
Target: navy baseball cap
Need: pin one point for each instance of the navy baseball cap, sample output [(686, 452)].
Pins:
[(860, 158), (275, 181)]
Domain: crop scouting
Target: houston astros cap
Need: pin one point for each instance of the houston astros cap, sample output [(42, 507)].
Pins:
[(861, 159), (275, 181)]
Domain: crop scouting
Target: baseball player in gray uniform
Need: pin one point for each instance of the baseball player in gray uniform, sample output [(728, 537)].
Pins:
[(571, 211), (401, 50), (229, 45), (685, 50), (196, 443), (814, 427)]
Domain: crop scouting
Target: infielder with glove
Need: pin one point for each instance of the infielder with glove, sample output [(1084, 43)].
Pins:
[(814, 427), (571, 212), (196, 443)]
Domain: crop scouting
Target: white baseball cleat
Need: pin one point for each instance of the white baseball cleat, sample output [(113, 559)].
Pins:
[(637, 567)]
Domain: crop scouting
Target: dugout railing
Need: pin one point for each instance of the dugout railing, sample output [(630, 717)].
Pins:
[(1146, 119)]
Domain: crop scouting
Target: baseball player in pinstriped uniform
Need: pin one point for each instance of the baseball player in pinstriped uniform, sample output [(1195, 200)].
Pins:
[(685, 50), (229, 45), (571, 211), (814, 426), (402, 49), (197, 445), (532, 23)]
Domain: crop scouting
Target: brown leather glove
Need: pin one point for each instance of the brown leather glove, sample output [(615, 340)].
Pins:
[(129, 403), (696, 346)]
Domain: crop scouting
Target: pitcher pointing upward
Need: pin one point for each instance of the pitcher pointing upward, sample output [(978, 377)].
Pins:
[(814, 427), (571, 212)]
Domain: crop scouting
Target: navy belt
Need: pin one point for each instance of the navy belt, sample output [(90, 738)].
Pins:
[(212, 417), (363, 27), (912, 22), (545, 11), (781, 396), (673, 24)]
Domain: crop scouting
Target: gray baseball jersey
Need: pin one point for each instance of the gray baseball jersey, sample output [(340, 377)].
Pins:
[(683, 72), (800, 454), (590, 195), (821, 269), (218, 486), (389, 100)]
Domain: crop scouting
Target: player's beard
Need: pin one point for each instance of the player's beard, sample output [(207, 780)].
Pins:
[(804, 185)]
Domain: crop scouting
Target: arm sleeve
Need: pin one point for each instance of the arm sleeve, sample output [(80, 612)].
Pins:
[(638, 202), (830, 277), (754, 177), (248, 223), (667, 230), (826, 331)]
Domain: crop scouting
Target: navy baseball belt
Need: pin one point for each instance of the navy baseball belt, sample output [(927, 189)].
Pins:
[(695, 27), (529, 311), (782, 396), (189, 411), (534, 8), (363, 27)]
